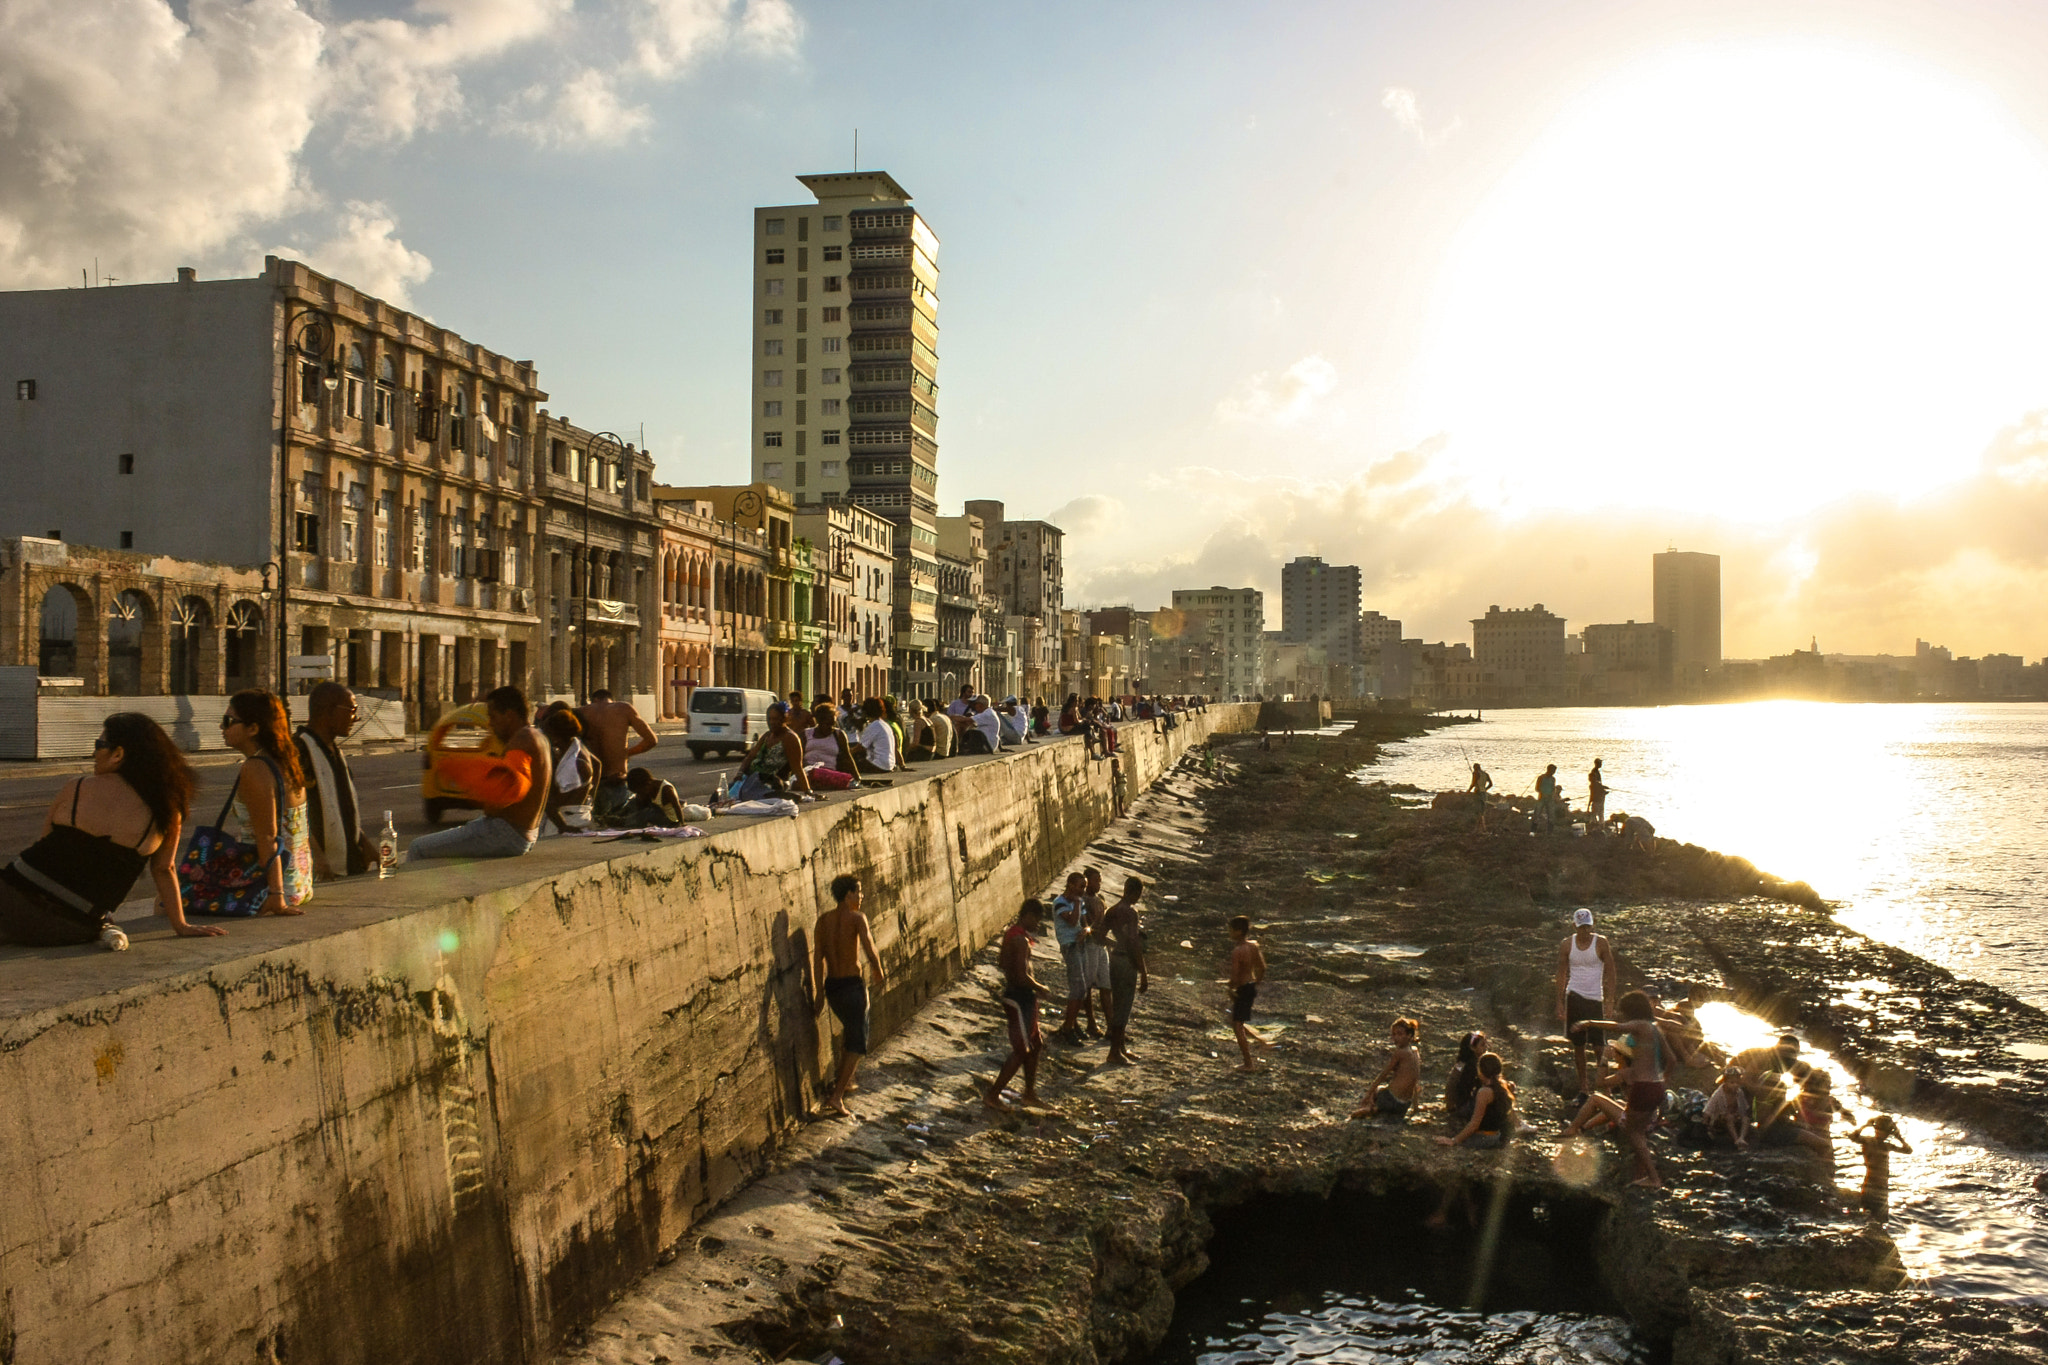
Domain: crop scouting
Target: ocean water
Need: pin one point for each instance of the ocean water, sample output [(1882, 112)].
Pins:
[(1926, 824)]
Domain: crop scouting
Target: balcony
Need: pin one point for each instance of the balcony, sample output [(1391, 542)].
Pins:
[(601, 611)]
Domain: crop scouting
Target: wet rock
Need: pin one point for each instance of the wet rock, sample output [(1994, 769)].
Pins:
[(1782, 1325)]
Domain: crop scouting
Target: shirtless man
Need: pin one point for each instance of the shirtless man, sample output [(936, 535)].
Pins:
[(1596, 793), (1586, 978), (1020, 1009), (1127, 975), (606, 726), (1482, 783), (1645, 1078), (1247, 970), (843, 938), (513, 788), (1399, 1081)]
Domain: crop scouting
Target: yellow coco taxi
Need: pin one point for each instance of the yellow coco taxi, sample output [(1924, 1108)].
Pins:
[(461, 737)]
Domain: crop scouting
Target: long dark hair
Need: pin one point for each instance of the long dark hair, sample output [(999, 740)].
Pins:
[(265, 711), (152, 766)]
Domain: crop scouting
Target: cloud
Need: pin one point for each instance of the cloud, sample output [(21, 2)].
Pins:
[(132, 135), (672, 34), (364, 250), (155, 133), (1400, 101), (394, 78), (1283, 400), (1963, 567), (586, 110), (1096, 516)]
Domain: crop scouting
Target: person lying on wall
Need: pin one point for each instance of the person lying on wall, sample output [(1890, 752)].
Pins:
[(655, 804), (512, 788)]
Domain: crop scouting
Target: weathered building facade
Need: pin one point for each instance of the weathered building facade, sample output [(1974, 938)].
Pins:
[(601, 566), (378, 465)]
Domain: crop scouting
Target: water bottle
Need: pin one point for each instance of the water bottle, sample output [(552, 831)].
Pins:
[(387, 848)]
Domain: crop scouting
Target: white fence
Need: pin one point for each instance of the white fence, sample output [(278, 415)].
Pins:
[(34, 724)]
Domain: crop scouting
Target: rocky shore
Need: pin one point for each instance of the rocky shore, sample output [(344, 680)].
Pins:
[(930, 1229)]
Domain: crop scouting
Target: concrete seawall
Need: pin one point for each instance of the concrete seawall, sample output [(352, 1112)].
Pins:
[(445, 1117)]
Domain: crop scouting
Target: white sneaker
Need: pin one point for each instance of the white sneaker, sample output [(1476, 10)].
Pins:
[(114, 939)]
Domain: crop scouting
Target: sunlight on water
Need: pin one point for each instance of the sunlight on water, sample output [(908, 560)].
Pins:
[(1925, 821), (1965, 1215), (1344, 1329)]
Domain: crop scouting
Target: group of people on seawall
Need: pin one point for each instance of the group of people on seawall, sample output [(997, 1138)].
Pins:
[(1551, 811), (294, 819)]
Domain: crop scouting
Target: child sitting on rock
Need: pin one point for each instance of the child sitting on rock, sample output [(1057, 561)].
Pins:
[(1728, 1109)]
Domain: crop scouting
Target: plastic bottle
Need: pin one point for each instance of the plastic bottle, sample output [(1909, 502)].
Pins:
[(387, 848)]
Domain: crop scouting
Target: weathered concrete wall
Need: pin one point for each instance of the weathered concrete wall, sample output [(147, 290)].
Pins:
[(445, 1117)]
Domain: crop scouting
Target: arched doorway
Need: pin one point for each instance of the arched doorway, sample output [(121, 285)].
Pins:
[(57, 649), (243, 655), (128, 623), (191, 646)]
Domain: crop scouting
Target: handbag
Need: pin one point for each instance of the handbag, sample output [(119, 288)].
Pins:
[(220, 874)]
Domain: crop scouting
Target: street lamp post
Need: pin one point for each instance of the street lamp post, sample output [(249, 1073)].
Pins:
[(597, 441), (309, 338)]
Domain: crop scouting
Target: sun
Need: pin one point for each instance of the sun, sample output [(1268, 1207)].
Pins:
[(1742, 280)]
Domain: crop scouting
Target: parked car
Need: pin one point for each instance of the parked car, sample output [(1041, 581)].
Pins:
[(727, 719)]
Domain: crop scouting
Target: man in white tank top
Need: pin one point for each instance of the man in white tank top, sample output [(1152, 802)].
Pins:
[(1586, 979)]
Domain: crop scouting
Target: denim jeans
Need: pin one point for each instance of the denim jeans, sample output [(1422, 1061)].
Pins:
[(487, 836)]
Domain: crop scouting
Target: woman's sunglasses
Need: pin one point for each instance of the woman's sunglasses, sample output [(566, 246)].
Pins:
[(231, 719)]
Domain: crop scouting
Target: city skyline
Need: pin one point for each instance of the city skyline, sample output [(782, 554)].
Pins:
[(573, 182)]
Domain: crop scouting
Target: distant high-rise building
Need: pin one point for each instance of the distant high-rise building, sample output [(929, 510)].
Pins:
[(1319, 606), (846, 383), (1686, 593), (1520, 653), (1232, 621)]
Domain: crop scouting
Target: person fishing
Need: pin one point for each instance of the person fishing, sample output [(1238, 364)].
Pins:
[(1482, 783), (1596, 792)]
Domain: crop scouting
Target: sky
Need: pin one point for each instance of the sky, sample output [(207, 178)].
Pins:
[(1491, 299)]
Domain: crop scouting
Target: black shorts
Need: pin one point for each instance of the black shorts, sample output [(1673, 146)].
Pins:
[(1578, 1007), (1241, 1003), (1386, 1104), (848, 997)]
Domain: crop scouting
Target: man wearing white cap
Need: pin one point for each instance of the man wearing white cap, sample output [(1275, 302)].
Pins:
[(1586, 978)]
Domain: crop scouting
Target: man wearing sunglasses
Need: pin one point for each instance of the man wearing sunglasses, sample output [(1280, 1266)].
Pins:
[(340, 848)]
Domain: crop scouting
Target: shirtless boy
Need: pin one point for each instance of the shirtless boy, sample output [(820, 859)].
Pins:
[(1128, 979), (1020, 1008), (843, 938), (1645, 1078), (606, 726), (1399, 1081), (1247, 970)]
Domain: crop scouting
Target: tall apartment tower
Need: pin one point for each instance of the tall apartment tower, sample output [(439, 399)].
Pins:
[(1319, 606), (846, 364), (1686, 594)]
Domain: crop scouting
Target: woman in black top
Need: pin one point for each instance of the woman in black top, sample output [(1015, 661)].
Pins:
[(102, 830)]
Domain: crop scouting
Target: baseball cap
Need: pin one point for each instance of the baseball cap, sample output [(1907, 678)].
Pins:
[(1582, 917)]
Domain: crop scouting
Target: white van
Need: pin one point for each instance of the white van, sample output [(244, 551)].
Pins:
[(727, 719)]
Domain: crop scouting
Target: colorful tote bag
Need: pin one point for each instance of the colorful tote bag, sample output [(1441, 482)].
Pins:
[(220, 874)]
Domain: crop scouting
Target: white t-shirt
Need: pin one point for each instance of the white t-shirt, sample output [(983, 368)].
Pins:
[(989, 724), (957, 707), (881, 745)]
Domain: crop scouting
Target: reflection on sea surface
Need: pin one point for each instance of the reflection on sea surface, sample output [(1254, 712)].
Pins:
[(1925, 821), (1966, 1216), (1342, 1329)]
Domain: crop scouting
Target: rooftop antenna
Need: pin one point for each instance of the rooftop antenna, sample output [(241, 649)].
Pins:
[(856, 149)]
